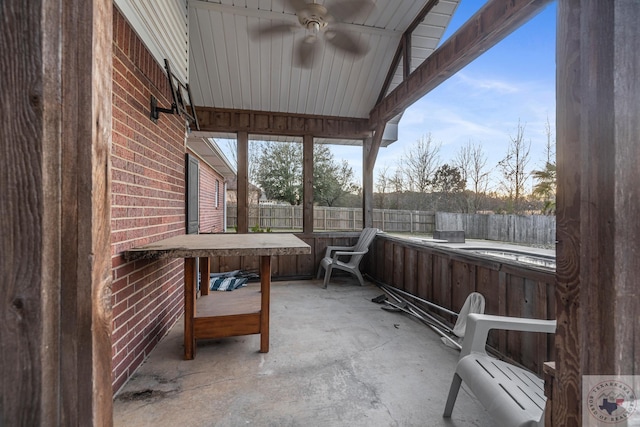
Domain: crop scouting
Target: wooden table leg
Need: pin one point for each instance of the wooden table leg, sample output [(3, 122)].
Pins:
[(190, 285), (205, 275), (265, 290)]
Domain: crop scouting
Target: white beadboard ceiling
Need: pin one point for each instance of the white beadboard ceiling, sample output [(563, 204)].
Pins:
[(162, 27), (230, 69)]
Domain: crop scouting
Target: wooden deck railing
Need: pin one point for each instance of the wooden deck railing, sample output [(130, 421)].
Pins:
[(446, 276)]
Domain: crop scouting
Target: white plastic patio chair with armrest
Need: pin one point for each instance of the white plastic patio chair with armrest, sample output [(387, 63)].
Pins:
[(511, 395), (355, 253)]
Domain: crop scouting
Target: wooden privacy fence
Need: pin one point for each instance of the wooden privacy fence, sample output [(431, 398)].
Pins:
[(392, 220), (529, 229), (287, 217), (446, 276)]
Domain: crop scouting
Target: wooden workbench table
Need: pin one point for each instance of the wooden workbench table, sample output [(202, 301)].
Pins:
[(244, 311)]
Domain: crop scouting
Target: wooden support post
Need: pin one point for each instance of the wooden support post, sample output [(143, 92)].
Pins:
[(598, 197), (243, 182), (55, 340), (190, 284), (370, 148), (367, 184), (307, 172), (265, 293)]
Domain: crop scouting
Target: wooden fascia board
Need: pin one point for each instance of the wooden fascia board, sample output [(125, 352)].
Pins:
[(491, 24), (286, 124)]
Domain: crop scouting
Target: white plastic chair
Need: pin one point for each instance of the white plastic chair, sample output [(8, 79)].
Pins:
[(513, 396), (355, 253)]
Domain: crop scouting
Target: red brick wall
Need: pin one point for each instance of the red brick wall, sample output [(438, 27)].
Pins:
[(211, 214), (148, 202)]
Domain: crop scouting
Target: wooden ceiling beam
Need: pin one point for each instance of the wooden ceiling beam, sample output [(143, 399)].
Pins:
[(286, 124), (404, 49), (492, 23)]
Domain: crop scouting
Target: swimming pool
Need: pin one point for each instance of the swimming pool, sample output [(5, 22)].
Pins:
[(540, 260)]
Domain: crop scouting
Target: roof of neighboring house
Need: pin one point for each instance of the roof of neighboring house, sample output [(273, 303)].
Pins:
[(208, 150)]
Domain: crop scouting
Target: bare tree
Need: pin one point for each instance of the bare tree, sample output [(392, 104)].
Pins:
[(397, 181), (398, 185), (253, 156), (382, 186), (471, 161), (550, 153), (463, 161), (420, 162), (545, 188), (513, 168), (232, 147)]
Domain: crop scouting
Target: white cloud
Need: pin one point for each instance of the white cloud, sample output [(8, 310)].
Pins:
[(484, 85)]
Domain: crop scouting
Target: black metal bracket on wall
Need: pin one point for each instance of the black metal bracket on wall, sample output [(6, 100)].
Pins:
[(179, 92), (155, 111)]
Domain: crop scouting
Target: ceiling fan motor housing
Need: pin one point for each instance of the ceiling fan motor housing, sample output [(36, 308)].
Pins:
[(314, 17)]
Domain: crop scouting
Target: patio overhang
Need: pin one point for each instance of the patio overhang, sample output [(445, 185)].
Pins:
[(405, 82), (230, 68)]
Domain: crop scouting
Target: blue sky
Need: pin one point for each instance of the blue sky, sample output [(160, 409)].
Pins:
[(482, 103)]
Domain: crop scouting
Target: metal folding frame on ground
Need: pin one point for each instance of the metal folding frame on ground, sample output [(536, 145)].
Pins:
[(402, 304)]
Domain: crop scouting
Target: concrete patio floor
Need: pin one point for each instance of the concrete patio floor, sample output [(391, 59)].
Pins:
[(335, 359)]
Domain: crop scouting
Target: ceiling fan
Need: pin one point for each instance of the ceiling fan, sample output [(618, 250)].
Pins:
[(323, 23)]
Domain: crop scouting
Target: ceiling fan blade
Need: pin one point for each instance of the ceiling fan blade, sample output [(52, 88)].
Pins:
[(350, 10), (268, 30), (297, 4), (346, 42), (306, 51)]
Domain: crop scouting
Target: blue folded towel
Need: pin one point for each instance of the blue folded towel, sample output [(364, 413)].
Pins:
[(227, 283)]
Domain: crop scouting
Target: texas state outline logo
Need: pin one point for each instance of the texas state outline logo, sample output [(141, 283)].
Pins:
[(609, 400)]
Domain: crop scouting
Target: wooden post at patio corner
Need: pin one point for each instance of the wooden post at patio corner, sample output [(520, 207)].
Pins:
[(598, 197), (243, 182), (190, 284), (265, 293), (370, 148), (55, 340), (307, 190), (566, 401)]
